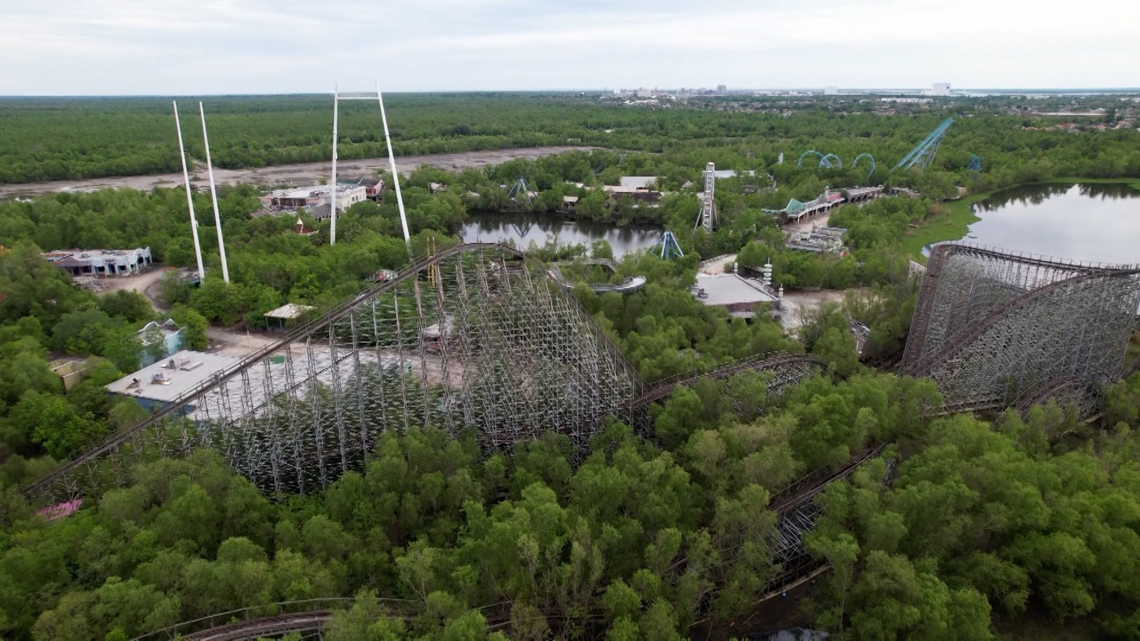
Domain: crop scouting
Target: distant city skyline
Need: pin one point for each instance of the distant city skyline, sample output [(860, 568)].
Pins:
[(128, 47)]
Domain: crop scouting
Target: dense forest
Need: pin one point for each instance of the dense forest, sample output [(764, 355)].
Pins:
[(53, 139), (963, 528)]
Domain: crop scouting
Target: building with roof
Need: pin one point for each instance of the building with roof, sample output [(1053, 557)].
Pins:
[(71, 371), (287, 313), (721, 174), (636, 187), (821, 240), (312, 198), (796, 210), (738, 295), (100, 262), (940, 89), (159, 385), (638, 182), (373, 187), (159, 340)]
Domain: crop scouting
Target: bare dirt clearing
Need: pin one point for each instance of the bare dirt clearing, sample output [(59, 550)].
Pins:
[(302, 173), (148, 283)]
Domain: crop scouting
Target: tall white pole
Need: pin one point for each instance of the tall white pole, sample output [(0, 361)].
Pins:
[(214, 196), (336, 109), (395, 174), (189, 196)]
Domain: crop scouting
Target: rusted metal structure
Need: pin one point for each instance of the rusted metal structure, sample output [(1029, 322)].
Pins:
[(477, 337), (997, 330)]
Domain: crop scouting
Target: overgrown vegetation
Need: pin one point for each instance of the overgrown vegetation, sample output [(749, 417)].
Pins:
[(962, 526)]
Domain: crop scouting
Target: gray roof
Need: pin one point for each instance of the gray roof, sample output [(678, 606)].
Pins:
[(638, 182), (320, 212), (730, 289), (190, 369)]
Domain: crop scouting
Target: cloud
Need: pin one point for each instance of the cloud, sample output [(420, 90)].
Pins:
[(254, 46)]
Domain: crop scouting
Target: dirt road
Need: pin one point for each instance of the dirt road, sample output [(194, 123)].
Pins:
[(146, 283), (798, 305), (302, 173), (809, 224), (238, 343)]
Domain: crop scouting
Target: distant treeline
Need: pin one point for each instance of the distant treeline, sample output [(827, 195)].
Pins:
[(72, 138)]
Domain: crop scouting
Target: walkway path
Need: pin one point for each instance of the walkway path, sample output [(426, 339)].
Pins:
[(716, 264)]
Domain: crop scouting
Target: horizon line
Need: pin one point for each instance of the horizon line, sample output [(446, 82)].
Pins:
[(955, 92)]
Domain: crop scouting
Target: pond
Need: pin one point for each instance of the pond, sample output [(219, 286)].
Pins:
[(1090, 222), (525, 229)]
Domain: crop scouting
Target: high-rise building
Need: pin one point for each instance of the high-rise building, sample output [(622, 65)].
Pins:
[(721, 89)]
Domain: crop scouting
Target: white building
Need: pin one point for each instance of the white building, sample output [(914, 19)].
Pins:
[(312, 197), (638, 182), (100, 262), (831, 91), (940, 89)]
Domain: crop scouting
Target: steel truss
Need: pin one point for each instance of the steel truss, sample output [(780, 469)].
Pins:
[(869, 157), (923, 153), (994, 328)]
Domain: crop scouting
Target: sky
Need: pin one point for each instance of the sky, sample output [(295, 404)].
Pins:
[(164, 47)]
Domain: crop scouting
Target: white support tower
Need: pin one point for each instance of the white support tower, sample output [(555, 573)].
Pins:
[(371, 95), (708, 201), (395, 174), (214, 196), (189, 196), (332, 204)]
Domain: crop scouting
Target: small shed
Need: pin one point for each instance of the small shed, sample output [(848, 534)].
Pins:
[(282, 316)]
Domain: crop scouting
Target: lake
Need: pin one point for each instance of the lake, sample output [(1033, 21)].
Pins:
[(525, 229), (1092, 222)]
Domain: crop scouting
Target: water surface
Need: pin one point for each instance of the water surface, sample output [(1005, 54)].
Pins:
[(1091, 222), (538, 229)]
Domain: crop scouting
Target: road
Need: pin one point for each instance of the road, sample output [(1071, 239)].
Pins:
[(147, 283), (717, 265), (301, 173), (809, 224), (238, 343)]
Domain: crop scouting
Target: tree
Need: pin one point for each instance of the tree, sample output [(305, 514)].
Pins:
[(193, 325), (122, 347), (128, 305), (841, 553), (53, 423), (837, 347)]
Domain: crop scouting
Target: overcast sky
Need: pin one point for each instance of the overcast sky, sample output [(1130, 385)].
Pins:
[(70, 47)]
